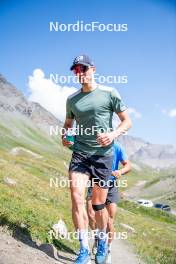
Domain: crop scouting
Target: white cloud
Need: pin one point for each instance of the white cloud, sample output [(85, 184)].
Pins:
[(50, 95), (134, 113), (171, 113)]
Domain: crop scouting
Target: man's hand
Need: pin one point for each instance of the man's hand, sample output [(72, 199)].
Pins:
[(68, 124), (105, 139), (66, 143), (117, 173)]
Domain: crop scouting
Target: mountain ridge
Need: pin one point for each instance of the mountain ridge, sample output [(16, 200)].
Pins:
[(13, 101)]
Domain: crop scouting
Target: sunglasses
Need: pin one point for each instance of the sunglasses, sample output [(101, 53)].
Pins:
[(80, 69)]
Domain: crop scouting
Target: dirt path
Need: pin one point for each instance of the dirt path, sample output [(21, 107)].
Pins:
[(13, 251), (134, 191), (122, 253)]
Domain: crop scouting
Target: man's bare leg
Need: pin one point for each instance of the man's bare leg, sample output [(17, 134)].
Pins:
[(92, 224), (112, 209), (78, 182), (99, 196), (91, 214)]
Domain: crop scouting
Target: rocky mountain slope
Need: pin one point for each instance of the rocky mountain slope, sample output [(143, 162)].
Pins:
[(13, 102)]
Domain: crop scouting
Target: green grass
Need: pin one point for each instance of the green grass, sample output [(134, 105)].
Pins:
[(154, 238), (32, 202), (153, 213)]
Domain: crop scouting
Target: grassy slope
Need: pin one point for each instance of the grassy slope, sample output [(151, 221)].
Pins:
[(32, 202), (155, 232), (155, 236), (32, 205), (159, 187)]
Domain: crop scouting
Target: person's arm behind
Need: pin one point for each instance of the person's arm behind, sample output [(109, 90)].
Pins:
[(126, 168)]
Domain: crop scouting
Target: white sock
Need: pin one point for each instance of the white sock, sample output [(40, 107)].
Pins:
[(83, 238), (109, 246)]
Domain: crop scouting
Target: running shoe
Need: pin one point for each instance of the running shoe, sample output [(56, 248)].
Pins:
[(83, 257), (102, 252)]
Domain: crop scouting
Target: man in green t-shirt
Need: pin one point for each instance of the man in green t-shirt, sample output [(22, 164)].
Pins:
[(92, 107)]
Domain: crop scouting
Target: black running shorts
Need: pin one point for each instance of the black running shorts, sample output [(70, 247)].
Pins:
[(98, 167)]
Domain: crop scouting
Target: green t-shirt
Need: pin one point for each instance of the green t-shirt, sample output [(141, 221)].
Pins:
[(93, 112)]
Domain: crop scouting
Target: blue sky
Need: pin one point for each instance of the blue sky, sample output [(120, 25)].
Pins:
[(145, 53)]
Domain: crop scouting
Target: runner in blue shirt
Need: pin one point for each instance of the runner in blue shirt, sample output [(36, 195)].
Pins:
[(119, 156)]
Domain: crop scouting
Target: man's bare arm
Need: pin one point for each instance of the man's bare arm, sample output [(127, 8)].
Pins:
[(124, 125), (106, 138)]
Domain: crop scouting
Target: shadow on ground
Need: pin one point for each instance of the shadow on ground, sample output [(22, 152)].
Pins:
[(55, 250)]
